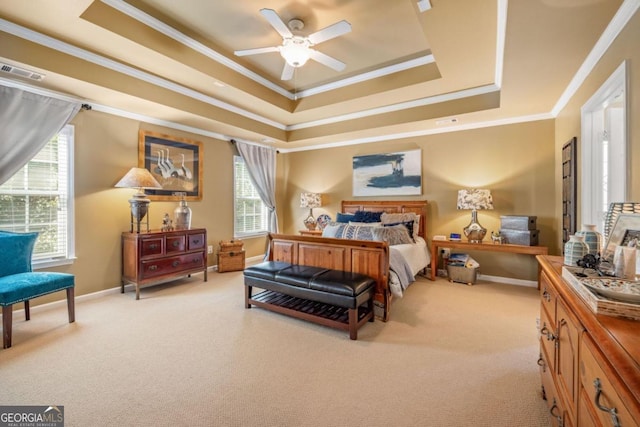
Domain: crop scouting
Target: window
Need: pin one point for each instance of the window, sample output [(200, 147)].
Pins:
[(604, 149), (39, 197), (250, 214)]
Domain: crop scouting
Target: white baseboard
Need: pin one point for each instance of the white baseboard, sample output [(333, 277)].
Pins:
[(496, 279)]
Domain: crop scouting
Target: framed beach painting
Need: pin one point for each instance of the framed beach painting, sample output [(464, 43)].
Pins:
[(175, 162), (388, 174)]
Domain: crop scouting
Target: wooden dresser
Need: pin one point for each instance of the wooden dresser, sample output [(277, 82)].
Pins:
[(589, 363), (159, 256)]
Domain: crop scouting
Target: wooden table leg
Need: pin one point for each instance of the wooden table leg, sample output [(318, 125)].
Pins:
[(434, 260)]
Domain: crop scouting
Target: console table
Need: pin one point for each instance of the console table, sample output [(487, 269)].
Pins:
[(487, 247), (159, 256)]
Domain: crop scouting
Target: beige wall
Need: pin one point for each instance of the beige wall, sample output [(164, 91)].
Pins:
[(516, 162), (625, 47)]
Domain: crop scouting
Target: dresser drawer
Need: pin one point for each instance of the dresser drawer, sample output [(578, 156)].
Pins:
[(170, 265), (599, 389), (548, 339), (152, 246), (196, 241), (176, 243)]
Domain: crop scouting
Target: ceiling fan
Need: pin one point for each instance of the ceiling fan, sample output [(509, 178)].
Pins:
[(297, 50)]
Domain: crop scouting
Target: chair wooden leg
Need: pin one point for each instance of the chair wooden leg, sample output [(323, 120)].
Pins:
[(7, 317), (27, 312), (71, 305)]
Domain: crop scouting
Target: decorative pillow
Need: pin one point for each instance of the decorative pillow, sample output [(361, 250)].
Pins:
[(345, 217), (394, 218), (394, 235), (366, 216), (356, 232), (331, 229), (371, 224), (407, 224)]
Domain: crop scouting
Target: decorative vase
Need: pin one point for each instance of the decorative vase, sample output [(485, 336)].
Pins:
[(183, 216), (592, 238), (574, 250)]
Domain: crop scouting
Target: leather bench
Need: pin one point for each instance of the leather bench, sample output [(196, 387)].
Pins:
[(335, 298)]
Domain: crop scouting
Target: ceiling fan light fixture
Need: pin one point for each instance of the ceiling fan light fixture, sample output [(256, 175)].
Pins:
[(295, 51)]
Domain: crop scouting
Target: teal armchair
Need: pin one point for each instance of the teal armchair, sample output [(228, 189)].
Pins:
[(18, 283)]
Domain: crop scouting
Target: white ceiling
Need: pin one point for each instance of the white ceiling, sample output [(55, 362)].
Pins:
[(480, 62)]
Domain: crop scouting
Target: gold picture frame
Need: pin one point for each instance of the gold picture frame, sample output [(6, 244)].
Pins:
[(175, 162)]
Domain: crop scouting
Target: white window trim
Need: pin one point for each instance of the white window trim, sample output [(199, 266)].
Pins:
[(591, 130), (237, 234), (69, 130)]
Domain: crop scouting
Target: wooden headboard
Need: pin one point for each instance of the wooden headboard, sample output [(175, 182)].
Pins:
[(390, 206)]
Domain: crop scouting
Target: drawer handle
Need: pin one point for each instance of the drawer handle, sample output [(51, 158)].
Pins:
[(195, 260), (542, 364), (153, 267), (546, 332), (153, 246), (196, 241), (546, 295), (612, 411), (175, 263), (557, 416), (176, 243)]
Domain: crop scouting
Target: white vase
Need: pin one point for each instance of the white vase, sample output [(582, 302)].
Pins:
[(592, 238), (574, 250)]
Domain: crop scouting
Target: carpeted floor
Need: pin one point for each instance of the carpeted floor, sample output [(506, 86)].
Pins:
[(189, 354)]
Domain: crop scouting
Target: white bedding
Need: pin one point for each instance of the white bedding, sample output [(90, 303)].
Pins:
[(415, 256)]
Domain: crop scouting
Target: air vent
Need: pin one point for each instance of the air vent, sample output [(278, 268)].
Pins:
[(21, 72)]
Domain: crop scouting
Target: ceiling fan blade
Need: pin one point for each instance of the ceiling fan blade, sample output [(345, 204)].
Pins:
[(327, 60), (287, 72), (276, 22), (330, 32), (256, 51)]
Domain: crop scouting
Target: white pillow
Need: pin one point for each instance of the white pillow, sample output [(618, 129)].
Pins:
[(366, 224), (331, 229)]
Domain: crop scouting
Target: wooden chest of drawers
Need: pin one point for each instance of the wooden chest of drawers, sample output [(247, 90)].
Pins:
[(589, 364), (159, 256)]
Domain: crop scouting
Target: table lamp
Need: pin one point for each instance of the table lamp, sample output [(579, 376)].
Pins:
[(475, 199), (139, 178), (310, 200)]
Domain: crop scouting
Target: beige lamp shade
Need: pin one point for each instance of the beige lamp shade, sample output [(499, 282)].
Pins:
[(475, 199), (138, 178), (310, 200)]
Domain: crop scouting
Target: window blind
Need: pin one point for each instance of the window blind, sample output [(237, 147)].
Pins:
[(39, 198)]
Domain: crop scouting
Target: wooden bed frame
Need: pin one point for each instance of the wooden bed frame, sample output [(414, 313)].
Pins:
[(360, 256)]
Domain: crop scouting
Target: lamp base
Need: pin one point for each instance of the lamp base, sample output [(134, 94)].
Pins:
[(139, 209), (310, 222), (474, 231)]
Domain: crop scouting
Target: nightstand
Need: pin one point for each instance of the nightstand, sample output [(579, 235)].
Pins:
[(311, 232)]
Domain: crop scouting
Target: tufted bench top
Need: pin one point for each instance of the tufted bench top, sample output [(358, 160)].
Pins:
[(319, 279)]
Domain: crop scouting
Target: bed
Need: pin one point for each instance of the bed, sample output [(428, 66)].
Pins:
[(405, 260), (393, 267)]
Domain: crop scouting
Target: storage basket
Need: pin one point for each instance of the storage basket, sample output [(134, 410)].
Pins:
[(461, 274), (230, 261), (231, 245)]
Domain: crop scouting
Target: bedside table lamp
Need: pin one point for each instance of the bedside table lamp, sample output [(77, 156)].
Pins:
[(310, 200), (475, 199), (139, 178)]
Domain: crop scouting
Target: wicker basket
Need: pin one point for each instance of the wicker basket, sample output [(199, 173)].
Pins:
[(231, 245), (230, 261)]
